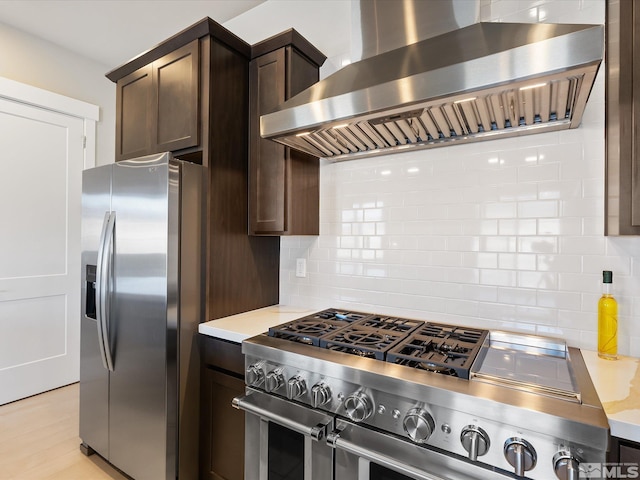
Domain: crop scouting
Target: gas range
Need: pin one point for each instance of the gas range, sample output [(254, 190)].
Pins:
[(440, 388)]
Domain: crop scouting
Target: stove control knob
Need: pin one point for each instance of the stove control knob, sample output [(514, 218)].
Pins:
[(320, 394), (255, 375), (419, 425), (520, 454), (274, 380), (359, 406), (566, 465), (296, 387), (475, 441)]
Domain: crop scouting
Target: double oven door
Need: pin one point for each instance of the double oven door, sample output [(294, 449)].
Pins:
[(288, 441)]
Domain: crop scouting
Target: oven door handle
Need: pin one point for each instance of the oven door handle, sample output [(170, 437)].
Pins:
[(252, 404), (334, 440)]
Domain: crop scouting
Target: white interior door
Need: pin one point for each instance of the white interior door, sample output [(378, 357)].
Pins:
[(41, 162)]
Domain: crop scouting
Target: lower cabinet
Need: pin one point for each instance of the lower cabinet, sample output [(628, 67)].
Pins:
[(221, 426), (627, 454)]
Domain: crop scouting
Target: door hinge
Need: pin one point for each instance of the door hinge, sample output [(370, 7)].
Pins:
[(84, 142)]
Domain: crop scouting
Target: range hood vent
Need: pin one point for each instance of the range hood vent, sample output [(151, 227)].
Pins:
[(485, 81)]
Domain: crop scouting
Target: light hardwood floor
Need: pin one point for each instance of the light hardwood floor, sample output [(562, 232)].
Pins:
[(39, 440)]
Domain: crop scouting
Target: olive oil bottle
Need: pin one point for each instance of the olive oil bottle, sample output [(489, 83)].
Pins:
[(607, 320)]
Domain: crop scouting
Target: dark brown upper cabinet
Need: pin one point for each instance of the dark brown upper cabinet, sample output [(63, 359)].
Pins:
[(189, 95), (622, 171), (157, 105), (284, 183)]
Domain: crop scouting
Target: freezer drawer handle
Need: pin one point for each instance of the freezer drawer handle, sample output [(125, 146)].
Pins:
[(103, 275), (315, 432), (334, 440)]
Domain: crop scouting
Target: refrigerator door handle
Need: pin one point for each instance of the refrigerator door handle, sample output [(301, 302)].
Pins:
[(103, 274)]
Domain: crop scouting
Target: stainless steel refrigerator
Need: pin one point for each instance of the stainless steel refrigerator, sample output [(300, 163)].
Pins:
[(142, 302)]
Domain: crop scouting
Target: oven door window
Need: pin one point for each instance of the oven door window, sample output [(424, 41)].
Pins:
[(286, 453), (377, 472)]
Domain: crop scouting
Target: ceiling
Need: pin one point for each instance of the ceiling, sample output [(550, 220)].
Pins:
[(111, 32)]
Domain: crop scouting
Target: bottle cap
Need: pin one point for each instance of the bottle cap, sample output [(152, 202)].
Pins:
[(607, 276)]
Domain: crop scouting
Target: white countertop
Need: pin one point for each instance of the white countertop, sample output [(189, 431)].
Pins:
[(618, 385), (617, 382), (237, 328)]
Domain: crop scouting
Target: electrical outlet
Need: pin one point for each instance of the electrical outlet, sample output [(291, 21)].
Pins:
[(301, 267)]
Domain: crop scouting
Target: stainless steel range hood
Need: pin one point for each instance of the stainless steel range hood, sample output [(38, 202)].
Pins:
[(484, 81)]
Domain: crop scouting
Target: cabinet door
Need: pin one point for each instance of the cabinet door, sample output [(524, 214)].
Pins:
[(635, 73), (175, 109), (629, 453), (222, 449), (134, 100), (622, 169), (267, 158), (158, 105)]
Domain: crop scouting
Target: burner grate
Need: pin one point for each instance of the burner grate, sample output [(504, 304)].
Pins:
[(444, 349), (394, 324), (361, 340), (311, 328)]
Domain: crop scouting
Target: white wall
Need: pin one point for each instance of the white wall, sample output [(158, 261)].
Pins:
[(504, 234), (33, 61), (325, 23)]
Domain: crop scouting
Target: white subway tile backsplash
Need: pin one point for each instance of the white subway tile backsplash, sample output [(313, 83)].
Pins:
[(500, 278), (481, 293), (517, 261), (463, 244), (500, 313), (546, 172), (559, 226), (538, 280), (503, 234), (499, 210), (517, 227), (538, 316), (538, 244), (518, 192), (480, 260), (538, 209), (558, 300), (592, 226), (582, 245), (579, 282), (582, 207), (559, 263), (480, 227), (559, 190), (498, 244), (517, 296)]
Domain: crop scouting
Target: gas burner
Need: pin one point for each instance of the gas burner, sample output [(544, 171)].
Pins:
[(431, 367), (449, 350), (353, 351), (338, 315)]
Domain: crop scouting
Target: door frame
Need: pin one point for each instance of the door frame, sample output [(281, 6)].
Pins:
[(38, 97)]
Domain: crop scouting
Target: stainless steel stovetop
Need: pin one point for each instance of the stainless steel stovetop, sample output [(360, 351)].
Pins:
[(513, 403)]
